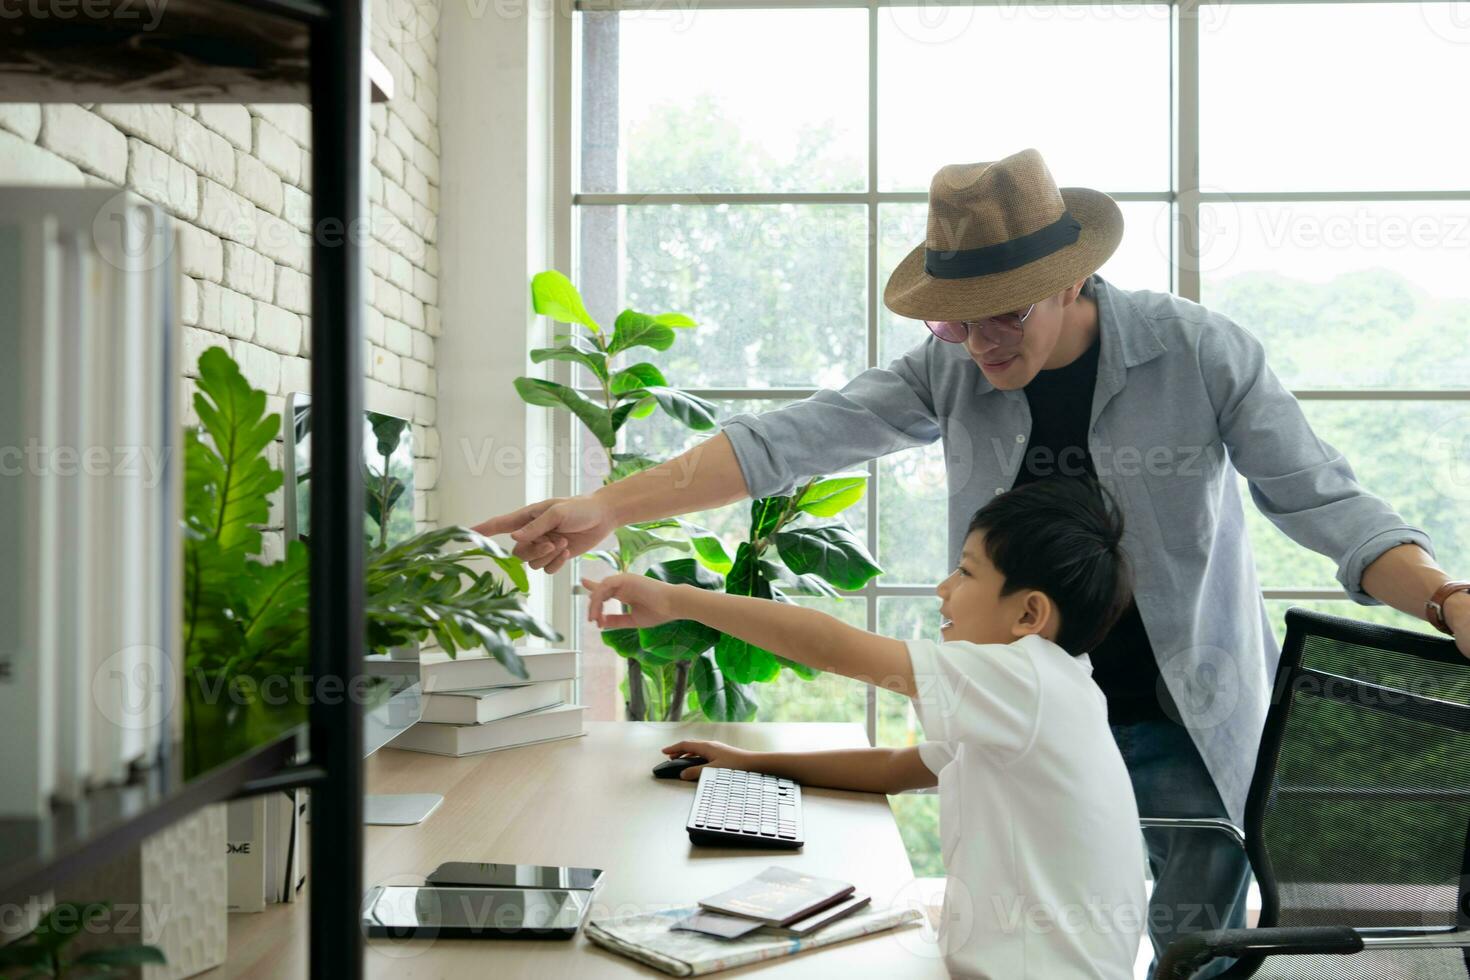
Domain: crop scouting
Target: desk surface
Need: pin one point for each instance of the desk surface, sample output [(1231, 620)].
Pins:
[(592, 802)]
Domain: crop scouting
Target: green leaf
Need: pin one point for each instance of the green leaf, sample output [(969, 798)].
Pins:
[(680, 639), (594, 361), (553, 295), (121, 956), (720, 698), (692, 410), (423, 587), (678, 320), (685, 571), (764, 515), (634, 329), (827, 498), (233, 477), (623, 642), (644, 407), (634, 543), (831, 551), (742, 661), (636, 376), (747, 576), (709, 550), (745, 662), (387, 432), (535, 391), (626, 464), (620, 415), (781, 576), (275, 607), (800, 670)]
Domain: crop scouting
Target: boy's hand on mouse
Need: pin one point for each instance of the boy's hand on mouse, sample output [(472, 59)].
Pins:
[(649, 601), (716, 754)]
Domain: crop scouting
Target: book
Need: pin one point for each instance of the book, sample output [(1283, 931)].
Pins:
[(475, 707), (826, 916), (778, 896), (245, 857), (75, 633), (28, 300), (542, 725), (649, 938), (284, 827), (467, 672)]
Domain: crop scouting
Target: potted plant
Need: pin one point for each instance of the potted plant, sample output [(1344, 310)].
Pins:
[(245, 619), (789, 548)]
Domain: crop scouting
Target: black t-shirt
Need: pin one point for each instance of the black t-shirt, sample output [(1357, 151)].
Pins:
[(1123, 664)]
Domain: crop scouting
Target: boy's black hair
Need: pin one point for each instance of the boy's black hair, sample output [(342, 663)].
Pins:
[(1062, 536)]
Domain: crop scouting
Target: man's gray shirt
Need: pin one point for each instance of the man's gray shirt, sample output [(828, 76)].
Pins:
[(1184, 399)]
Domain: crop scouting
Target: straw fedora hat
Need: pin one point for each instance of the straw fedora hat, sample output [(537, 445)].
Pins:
[(1001, 235)]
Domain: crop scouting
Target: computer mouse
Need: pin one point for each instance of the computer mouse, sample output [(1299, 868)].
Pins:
[(670, 768)]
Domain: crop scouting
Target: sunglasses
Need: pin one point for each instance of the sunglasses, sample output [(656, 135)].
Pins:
[(1003, 327)]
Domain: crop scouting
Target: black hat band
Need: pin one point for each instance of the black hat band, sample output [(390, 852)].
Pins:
[(1003, 256)]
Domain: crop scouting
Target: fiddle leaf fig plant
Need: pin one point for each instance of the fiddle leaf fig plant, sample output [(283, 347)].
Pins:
[(245, 617), (790, 548)]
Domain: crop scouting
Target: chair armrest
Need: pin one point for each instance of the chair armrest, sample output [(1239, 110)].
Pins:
[(1196, 823), (1188, 953)]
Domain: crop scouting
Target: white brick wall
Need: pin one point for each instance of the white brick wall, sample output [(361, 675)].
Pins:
[(238, 179)]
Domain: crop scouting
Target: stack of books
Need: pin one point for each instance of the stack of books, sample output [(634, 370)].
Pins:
[(91, 664), (473, 704)]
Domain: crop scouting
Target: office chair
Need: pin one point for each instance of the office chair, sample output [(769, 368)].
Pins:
[(1358, 818)]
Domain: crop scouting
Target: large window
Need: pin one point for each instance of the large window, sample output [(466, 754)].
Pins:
[(762, 166)]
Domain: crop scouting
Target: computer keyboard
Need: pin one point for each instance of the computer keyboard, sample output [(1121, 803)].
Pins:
[(734, 808)]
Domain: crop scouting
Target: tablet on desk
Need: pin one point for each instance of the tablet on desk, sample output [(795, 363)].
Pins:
[(408, 912)]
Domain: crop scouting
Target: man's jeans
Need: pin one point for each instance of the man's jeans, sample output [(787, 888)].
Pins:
[(1200, 876)]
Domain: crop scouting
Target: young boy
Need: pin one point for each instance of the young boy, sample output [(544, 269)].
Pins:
[(1039, 827)]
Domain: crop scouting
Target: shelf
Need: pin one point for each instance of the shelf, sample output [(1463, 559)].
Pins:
[(36, 855), (181, 51)]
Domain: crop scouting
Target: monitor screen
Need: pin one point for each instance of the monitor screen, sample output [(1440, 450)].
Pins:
[(387, 475)]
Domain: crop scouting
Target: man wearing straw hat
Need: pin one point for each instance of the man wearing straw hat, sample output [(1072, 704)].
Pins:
[(1037, 367)]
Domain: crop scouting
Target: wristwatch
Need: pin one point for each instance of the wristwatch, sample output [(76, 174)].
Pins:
[(1434, 608)]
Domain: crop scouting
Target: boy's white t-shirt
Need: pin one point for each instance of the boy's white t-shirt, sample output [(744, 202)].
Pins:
[(1038, 823)]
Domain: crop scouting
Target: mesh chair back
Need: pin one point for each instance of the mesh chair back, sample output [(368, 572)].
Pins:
[(1359, 811)]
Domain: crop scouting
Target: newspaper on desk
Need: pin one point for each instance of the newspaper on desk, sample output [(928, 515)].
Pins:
[(649, 938)]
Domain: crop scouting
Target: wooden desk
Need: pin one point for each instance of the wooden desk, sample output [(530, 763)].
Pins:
[(593, 802)]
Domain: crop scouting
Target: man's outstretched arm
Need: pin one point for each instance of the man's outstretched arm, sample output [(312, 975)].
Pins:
[(550, 533)]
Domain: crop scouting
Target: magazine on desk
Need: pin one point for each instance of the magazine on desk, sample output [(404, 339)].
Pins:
[(649, 937)]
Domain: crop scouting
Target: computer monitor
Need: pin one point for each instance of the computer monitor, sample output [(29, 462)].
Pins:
[(387, 449)]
